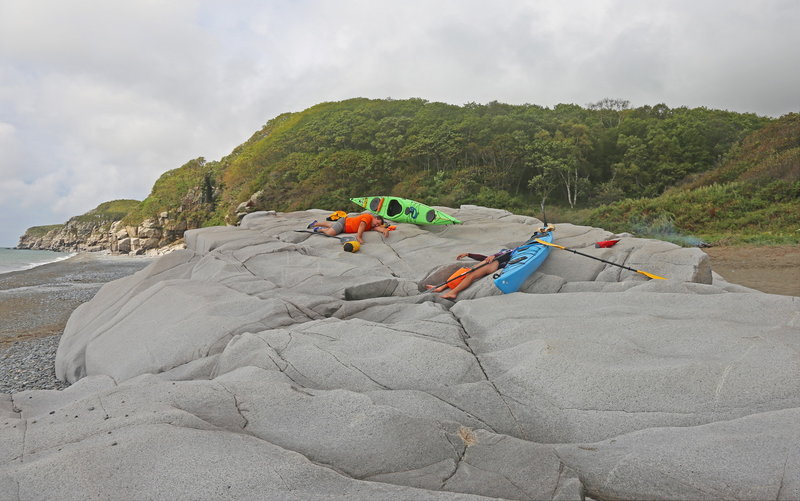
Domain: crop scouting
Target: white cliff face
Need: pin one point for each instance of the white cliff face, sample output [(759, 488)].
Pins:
[(262, 362), (150, 237)]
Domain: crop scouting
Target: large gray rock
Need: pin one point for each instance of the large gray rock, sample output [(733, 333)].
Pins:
[(263, 362)]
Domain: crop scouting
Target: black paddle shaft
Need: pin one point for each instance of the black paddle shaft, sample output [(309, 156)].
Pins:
[(601, 260), (343, 240)]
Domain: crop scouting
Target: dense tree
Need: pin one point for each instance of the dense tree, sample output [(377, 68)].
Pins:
[(477, 153)]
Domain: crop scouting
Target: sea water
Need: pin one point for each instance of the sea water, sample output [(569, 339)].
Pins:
[(24, 259)]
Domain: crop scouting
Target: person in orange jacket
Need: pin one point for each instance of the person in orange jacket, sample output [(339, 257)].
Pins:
[(351, 224)]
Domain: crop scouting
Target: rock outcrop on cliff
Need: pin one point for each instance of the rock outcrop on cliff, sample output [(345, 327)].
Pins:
[(262, 362), (151, 237)]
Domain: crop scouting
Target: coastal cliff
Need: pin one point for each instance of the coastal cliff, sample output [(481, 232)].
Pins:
[(104, 230)]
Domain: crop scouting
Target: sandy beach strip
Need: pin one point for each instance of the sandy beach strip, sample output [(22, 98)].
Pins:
[(35, 305)]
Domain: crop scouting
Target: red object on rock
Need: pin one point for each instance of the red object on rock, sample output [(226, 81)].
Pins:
[(606, 243)]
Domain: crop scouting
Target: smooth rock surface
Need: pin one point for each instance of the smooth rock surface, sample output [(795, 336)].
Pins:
[(266, 363)]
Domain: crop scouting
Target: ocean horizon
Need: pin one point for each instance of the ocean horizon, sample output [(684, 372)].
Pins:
[(25, 259)]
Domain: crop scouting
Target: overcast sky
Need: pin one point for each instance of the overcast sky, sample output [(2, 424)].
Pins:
[(98, 98)]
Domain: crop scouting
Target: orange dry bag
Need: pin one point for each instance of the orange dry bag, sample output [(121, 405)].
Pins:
[(454, 283)]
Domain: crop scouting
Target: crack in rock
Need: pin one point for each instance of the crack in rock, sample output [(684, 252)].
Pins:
[(301, 390), (327, 337), (14, 407), (269, 350), (235, 404), (399, 258), (100, 403), (287, 363), (24, 424), (310, 314), (623, 411), (350, 366), (418, 335), (476, 418), (464, 337), (783, 477), (561, 468), (726, 372), (460, 458), (459, 449), (469, 439)]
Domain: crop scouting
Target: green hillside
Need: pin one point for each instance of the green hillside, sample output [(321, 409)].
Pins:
[(604, 164), (485, 154), (187, 193), (768, 155), (752, 195), (512, 156), (40, 231), (107, 212)]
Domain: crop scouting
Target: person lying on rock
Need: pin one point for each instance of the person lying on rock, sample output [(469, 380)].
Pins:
[(351, 224), (487, 266)]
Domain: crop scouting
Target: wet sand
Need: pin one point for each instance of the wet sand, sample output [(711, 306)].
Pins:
[(36, 303), (773, 269)]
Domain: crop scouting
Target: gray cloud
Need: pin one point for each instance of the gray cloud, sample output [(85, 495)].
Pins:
[(98, 99)]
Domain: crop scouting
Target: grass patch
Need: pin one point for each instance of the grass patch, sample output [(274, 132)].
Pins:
[(40, 231), (732, 213), (107, 212)]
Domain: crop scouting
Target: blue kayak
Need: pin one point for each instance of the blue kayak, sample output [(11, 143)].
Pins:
[(524, 261)]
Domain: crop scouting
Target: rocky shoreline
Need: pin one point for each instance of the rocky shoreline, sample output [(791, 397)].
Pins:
[(315, 371), (27, 361), (29, 365), (35, 305)]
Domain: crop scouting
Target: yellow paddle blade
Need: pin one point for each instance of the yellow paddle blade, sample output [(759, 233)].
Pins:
[(650, 275), (538, 240)]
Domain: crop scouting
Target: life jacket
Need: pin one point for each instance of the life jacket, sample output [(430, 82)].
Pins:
[(336, 215), (351, 223)]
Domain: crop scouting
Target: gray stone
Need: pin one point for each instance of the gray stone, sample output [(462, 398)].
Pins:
[(263, 362), (702, 462)]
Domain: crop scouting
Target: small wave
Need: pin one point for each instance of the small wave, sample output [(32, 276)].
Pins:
[(27, 265)]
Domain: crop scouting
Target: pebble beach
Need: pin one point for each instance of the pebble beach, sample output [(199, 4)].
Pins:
[(35, 305)]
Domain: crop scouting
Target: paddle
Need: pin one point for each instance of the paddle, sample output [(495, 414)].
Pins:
[(528, 243), (341, 239), (650, 275)]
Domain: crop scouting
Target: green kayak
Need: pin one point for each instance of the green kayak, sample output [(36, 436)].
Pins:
[(403, 210)]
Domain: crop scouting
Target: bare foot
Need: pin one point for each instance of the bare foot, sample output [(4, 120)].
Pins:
[(449, 295)]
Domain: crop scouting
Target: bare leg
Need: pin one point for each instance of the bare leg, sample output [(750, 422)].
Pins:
[(468, 279), (437, 289)]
